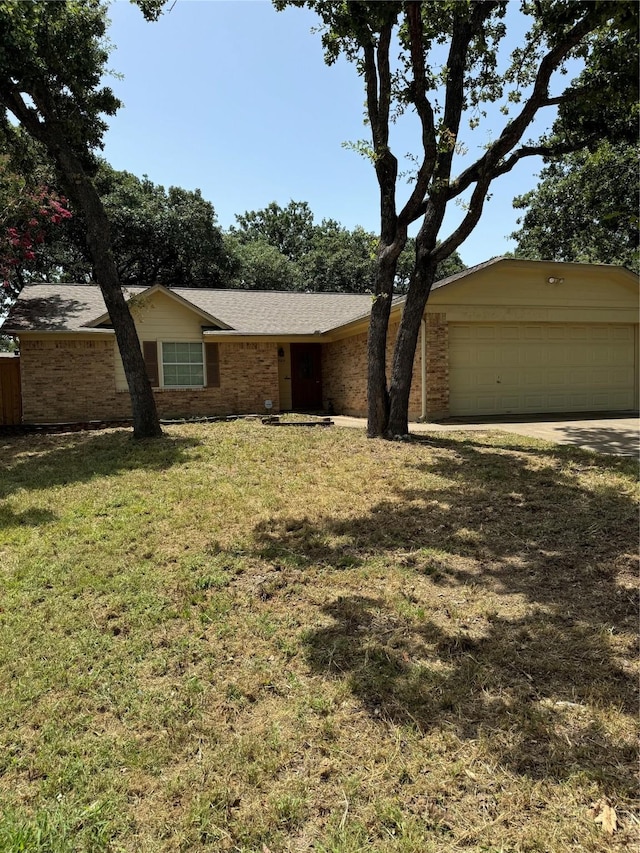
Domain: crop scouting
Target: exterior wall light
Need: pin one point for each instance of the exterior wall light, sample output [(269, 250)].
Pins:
[(553, 280)]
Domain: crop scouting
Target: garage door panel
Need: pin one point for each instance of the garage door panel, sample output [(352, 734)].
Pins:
[(489, 357), (532, 401), (531, 333), (503, 360), (622, 377), (529, 367), (509, 377), (621, 333), (601, 333), (511, 332)]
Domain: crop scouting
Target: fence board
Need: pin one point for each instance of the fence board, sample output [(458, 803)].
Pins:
[(10, 392)]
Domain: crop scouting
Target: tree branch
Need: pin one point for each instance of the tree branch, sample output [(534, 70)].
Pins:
[(371, 81), (384, 72), (514, 130), (565, 97), (378, 82), (476, 206), (464, 30), (424, 111), (558, 150)]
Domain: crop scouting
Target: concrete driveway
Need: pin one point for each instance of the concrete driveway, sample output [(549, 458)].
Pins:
[(604, 434)]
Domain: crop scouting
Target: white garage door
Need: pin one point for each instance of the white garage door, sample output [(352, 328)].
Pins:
[(540, 367)]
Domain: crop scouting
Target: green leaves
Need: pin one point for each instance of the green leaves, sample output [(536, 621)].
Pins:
[(283, 249), (162, 235), (288, 229), (170, 235), (585, 208), (52, 60)]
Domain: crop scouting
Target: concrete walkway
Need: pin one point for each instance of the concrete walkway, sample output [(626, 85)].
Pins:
[(608, 434)]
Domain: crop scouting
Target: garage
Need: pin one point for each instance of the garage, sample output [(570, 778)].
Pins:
[(513, 336), (500, 368)]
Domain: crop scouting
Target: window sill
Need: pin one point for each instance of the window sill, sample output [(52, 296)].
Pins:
[(181, 388), (168, 389)]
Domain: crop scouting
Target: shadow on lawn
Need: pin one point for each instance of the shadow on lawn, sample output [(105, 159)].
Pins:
[(40, 462), (28, 518), (529, 534)]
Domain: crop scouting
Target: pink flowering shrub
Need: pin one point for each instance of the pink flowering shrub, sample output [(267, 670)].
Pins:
[(25, 213)]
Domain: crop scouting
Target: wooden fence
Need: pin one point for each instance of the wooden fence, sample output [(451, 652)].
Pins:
[(10, 393)]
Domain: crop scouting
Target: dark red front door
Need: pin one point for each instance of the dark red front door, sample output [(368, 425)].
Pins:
[(306, 377)]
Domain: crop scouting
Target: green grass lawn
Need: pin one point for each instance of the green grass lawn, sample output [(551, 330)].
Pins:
[(241, 638)]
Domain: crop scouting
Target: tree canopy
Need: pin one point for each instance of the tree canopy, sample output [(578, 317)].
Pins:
[(585, 206), (441, 61), (585, 209), (29, 213), (285, 249), (53, 60), (288, 229), (172, 236), (169, 236)]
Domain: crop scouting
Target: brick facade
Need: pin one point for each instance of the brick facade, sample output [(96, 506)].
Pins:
[(67, 380), (344, 372), (73, 380), (437, 362), (344, 376)]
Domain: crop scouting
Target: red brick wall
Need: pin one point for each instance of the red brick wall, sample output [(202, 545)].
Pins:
[(69, 380), (73, 380), (437, 365), (344, 372), (344, 376)]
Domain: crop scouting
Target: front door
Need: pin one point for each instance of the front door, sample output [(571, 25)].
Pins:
[(306, 377)]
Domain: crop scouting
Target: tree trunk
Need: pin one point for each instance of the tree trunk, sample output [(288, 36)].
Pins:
[(143, 405), (377, 395), (80, 187), (405, 349)]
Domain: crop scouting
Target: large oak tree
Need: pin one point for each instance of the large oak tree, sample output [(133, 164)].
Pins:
[(52, 60), (398, 50)]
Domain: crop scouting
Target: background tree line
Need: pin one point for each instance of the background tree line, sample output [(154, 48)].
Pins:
[(172, 236)]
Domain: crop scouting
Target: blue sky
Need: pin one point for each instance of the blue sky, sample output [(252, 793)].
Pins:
[(234, 98)]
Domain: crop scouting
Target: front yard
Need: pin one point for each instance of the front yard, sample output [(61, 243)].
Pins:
[(240, 638)]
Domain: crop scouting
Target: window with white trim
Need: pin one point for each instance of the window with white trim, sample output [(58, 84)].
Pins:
[(182, 365)]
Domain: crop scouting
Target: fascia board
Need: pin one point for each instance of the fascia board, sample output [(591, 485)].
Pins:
[(68, 333)]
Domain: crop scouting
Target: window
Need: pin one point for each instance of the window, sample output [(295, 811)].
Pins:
[(182, 365)]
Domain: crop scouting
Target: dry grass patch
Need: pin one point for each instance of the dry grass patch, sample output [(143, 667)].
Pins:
[(241, 638)]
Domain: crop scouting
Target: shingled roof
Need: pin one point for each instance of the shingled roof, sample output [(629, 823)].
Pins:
[(76, 307)]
